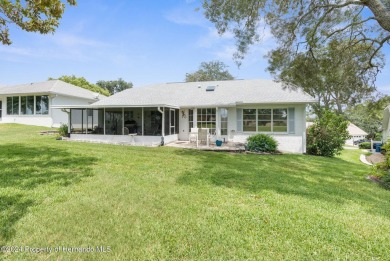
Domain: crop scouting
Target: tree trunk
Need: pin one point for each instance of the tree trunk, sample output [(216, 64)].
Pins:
[(381, 12)]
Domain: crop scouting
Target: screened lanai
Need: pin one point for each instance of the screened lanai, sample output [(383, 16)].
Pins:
[(123, 123), (142, 121)]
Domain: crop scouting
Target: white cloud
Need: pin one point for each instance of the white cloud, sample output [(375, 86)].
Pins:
[(212, 38), (16, 51), (66, 39), (186, 16), (226, 52)]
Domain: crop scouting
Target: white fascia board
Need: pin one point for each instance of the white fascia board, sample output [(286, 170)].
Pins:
[(135, 106)]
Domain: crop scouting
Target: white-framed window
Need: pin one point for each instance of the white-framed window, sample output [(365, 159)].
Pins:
[(190, 119), (13, 105), (272, 120), (224, 121), (206, 118), (42, 104), (28, 105)]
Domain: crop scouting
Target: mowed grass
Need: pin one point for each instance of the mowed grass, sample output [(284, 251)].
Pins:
[(172, 204)]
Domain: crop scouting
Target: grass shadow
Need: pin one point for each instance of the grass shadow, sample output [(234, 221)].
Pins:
[(326, 179), (27, 172)]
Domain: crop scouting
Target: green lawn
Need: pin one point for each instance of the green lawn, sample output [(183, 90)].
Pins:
[(166, 203)]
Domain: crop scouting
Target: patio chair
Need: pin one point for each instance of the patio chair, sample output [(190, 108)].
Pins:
[(193, 136), (204, 136), (126, 131)]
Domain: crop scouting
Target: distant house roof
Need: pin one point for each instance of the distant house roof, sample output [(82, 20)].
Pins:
[(353, 130), (52, 86), (201, 94)]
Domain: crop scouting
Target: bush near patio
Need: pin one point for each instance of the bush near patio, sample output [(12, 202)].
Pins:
[(63, 130), (174, 204), (327, 136), (262, 143)]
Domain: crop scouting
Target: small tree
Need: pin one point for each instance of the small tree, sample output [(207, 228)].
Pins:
[(327, 135), (115, 86), (211, 71)]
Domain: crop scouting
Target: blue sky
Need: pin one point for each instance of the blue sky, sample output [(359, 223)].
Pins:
[(139, 41)]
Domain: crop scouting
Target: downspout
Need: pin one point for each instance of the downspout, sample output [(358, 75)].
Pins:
[(69, 115)]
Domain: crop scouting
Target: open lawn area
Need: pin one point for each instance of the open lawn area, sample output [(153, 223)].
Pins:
[(144, 203)]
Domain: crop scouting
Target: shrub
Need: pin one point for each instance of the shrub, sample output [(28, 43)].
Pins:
[(262, 143), (382, 170), (327, 136), (365, 145), (63, 130)]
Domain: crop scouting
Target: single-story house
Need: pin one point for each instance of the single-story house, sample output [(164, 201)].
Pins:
[(232, 110), (386, 124), (32, 103)]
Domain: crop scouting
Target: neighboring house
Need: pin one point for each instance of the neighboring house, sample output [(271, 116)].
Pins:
[(31, 104), (232, 110), (356, 134), (386, 124), (354, 131)]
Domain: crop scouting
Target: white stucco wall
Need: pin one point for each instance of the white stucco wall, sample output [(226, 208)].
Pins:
[(138, 139), (288, 142), (292, 143), (183, 124), (55, 117)]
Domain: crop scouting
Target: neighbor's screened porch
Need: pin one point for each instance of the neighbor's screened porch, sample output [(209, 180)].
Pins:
[(144, 121)]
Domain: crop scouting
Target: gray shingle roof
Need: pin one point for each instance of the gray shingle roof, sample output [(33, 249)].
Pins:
[(194, 94), (52, 86)]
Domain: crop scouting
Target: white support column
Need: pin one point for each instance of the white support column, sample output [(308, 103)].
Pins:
[(123, 121), (163, 123), (142, 121), (104, 121), (195, 119), (217, 123), (69, 121)]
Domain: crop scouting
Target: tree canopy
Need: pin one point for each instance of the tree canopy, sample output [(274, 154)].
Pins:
[(83, 83), (32, 16), (210, 71), (334, 75), (304, 25), (115, 86)]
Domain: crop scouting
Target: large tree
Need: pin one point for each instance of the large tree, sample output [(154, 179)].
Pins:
[(304, 25), (30, 15), (83, 83), (333, 74), (210, 71), (115, 86)]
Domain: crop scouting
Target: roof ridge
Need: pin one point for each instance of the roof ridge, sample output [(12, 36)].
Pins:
[(54, 85)]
